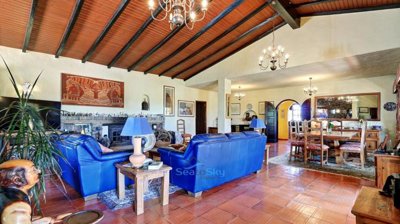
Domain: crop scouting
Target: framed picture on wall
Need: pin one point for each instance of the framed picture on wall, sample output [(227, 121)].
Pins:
[(185, 108), (169, 101), (261, 108), (235, 108)]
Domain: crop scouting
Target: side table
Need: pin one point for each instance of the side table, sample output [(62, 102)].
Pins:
[(141, 178), (372, 208)]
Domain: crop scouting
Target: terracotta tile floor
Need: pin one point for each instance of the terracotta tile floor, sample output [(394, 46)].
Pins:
[(278, 194)]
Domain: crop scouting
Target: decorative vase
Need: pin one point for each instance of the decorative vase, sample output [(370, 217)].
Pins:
[(137, 158)]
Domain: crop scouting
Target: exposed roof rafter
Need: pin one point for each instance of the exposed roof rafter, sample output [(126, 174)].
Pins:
[(103, 33), (134, 37), (230, 29), (381, 7), (71, 23), (235, 51), (29, 26), (289, 17), (316, 2), (134, 65), (214, 21)]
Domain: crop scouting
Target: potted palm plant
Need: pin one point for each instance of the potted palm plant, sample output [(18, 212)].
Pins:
[(27, 137)]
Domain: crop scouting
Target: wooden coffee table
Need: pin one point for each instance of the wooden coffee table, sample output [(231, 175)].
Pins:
[(141, 178)]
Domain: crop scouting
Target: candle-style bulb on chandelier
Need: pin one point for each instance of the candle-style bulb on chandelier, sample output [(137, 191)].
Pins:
[(273, 57), (180, 12), (310, 90)]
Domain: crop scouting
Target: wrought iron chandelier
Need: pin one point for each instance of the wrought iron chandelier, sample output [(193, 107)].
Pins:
[(273, 56), (239, 94), (180, 11), (310, 90)]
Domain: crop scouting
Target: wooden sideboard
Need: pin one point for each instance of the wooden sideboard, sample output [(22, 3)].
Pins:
[(372, 208), (385, 165)]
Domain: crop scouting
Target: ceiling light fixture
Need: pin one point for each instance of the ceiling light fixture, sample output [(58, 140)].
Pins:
[(273, 55), (310, 90), (180, 11), (239, 94)]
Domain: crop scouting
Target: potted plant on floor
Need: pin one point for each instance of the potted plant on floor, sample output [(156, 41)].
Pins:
[(27, 138)]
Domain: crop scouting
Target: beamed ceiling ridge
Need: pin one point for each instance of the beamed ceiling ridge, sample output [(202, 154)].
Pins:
[(123, 33)]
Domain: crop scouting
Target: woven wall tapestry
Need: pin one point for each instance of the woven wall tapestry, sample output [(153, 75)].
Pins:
[(82, 90)]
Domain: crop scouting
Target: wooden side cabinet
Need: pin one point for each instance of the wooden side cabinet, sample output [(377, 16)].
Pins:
[(385, 165)]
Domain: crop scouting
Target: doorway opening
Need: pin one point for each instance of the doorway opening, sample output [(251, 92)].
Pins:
[(287, 110), (201, 117)]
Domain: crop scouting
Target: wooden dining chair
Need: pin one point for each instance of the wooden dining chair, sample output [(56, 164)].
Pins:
[(356, 147), (300, 128), (314, 142), (296, 145)]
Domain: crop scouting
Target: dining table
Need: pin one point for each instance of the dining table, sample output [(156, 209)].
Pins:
[(336, 137)]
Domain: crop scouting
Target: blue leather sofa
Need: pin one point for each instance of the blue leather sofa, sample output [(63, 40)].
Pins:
[(88, 170), (214, 159)]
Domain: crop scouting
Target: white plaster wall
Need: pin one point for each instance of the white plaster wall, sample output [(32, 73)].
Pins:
[(319, 38), (382, 84), (26, 66)]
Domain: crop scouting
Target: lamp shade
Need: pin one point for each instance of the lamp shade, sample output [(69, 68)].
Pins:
[(257, 123), (136, 126)]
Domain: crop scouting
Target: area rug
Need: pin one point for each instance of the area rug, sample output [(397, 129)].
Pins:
[(110, 198), (346, 169)]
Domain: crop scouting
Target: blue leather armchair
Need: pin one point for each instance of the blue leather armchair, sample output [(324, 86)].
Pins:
[(214, 159), (87, 169)]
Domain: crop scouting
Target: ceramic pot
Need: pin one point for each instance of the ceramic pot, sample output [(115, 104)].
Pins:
[(137, 158)]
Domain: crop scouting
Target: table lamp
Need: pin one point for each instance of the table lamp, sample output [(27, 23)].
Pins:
[(135, 126), (257, 124)]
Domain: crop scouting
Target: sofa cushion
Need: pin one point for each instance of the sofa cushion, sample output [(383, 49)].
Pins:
[(251, 133), (208, 138), (236, 135)]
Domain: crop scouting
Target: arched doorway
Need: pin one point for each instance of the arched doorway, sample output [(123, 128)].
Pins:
[(306, 110), (286, 110)]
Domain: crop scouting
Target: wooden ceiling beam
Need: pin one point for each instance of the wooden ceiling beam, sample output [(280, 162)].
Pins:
[(381, 7), (316, 2), (70, 26), (204, 29), (154, 49), (107, 28), (289, 17), (222, 35), (135, 37), (159, 45), (236, 50), (29, 27), (243, 35)]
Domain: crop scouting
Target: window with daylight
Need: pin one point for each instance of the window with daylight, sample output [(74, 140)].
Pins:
[(294, 113)]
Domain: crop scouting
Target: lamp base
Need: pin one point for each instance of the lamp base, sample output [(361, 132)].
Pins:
[(137, 160)]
